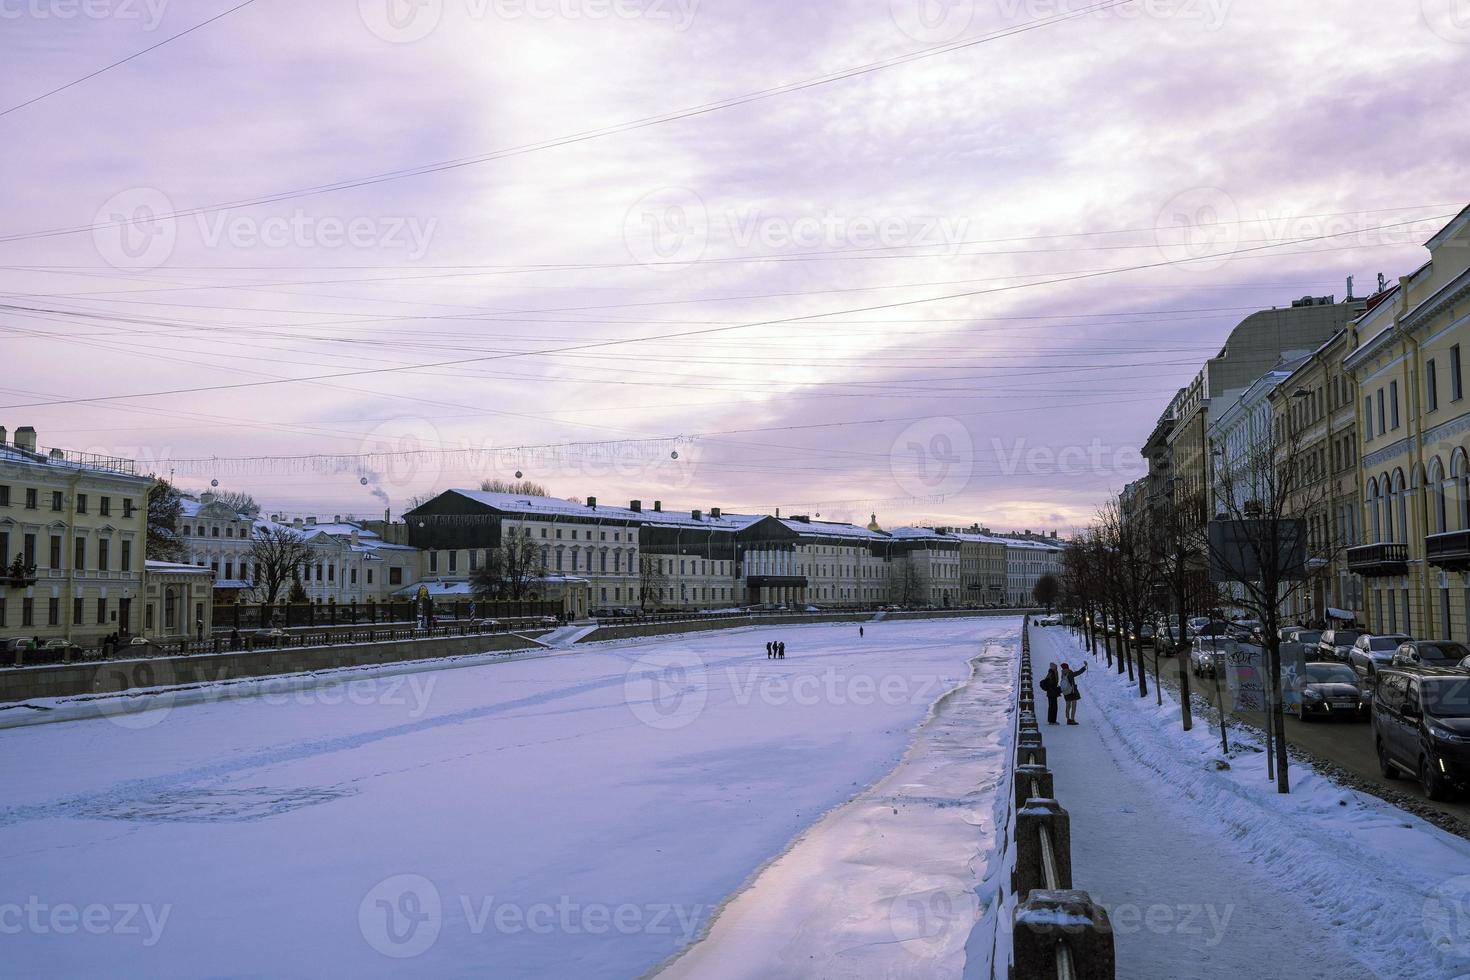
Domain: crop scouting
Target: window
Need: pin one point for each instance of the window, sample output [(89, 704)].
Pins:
[(103, 562), (79, 555), (4, 495), (55, 553), (28, 547), (1393, 400), (454, 561), (127, 556), (81, 503), (331, 573), (4, 549), (395, 576), (127, 508), (1456, 391), (101, 612), (1431, 385), (53, 611), (27, 611), (1382, 428), (353, 576), (433, 561), (214, 531), (1368, 419), (104, 506), (370, 576), (229, 569), (56, 501), (31, 499)]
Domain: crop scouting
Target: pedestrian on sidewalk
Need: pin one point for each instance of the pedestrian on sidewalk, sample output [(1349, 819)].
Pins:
[(1069, 690), (1052, 686)]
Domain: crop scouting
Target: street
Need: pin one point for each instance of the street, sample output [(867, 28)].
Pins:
[(1346, 744)]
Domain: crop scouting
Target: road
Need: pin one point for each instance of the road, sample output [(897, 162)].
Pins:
[(1346, 744)]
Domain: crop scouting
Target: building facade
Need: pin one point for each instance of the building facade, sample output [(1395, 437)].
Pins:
[(73, 529)]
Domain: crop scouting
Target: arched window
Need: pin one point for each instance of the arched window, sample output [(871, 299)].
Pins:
[(1460, 479), (1401, 495), (1436, 489)]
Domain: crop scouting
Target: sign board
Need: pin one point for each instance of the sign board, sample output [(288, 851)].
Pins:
[(1236, 546), (1245, 670)]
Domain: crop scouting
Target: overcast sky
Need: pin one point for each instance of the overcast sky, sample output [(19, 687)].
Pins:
[(798, 246)]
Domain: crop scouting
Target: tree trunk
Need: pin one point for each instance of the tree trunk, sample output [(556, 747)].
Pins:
[(1185, 708), (1142, 667)]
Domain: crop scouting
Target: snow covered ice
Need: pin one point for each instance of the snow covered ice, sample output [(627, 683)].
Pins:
[(563, 814)]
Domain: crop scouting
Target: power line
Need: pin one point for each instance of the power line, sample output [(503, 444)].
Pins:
[(686, 333), (123, 61), (592, 134)]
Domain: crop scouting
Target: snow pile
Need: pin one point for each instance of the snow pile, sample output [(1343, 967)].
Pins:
[(1392, 890)]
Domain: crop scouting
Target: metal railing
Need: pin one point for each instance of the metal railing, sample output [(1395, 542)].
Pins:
[(1058, 931)]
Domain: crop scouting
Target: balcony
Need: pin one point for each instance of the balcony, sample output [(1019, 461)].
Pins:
[(1378, 560), (1450, 550)]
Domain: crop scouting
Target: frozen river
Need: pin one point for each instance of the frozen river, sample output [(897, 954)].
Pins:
[(580, 814)]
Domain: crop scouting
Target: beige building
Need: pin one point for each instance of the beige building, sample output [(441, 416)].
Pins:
[(73, 528), (178, 601), (1314, 409), (1407, 356)]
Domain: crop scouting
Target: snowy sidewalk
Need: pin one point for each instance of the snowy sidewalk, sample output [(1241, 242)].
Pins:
[(1209, 873)]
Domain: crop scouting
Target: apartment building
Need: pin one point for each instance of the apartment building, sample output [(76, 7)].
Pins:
[(926, 566), (1406, 354), (73, 528)]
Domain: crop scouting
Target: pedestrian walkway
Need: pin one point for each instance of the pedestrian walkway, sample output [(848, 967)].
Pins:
[(1183, 908)]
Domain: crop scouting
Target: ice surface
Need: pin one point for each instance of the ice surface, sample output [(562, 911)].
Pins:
[(572, 815)]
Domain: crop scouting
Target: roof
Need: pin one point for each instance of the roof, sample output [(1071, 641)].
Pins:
[(174, 568), (832, 529)]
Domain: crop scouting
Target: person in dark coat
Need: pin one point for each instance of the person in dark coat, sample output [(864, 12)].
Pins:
[(781, 649), (1069, 690), (770, 649), (860, 632), (1051, 685)]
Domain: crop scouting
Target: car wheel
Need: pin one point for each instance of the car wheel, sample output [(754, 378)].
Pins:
[(1389, 770), (1434, 785)]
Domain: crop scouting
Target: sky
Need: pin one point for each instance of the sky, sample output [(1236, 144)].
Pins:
[(944, 261)]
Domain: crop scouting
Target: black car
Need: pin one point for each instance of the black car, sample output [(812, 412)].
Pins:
[(1421, 726), (1331, 690), (1430, 653), (1337, 644)]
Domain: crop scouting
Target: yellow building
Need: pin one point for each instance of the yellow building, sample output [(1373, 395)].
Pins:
[(1407, 355), (73, 528)]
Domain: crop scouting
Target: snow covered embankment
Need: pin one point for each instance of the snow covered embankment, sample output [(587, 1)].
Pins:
[(1395, 888), (899, 882)]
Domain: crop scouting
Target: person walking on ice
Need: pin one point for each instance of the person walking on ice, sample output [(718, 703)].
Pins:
[(770, 649), (860, 632), (1069, 690)]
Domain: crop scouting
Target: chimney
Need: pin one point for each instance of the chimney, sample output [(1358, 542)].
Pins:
[(592, 502), (714, 513), (696, 514), (1053, 535), (658, 506), (311, 522), (387, 518), (636, 506), (206, 497), (297, 522), (2, 435), (25, 438), (336, 518)]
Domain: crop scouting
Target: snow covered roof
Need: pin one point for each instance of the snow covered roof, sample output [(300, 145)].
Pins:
[(174, 568), (832, 529)]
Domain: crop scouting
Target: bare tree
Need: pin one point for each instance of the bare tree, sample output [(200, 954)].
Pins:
[(1260, 544), (277, 554), (1180, 545), (510, 570), (522, 488), (239, 501), (652, 579), (1046, 591), (164, 510), (908, 584)]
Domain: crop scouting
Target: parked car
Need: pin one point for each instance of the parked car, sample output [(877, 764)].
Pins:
[(1330, 690), (1337, 644), (1166, 640), (1143, 636), (1421, 727), (60, 648), (1297, 634), (1207, 653), (1430, 653), (1248, 629), (1375, 650)]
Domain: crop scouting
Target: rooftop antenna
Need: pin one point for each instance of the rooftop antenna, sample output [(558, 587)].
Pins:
[(1350, 289), (1382, 282)]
